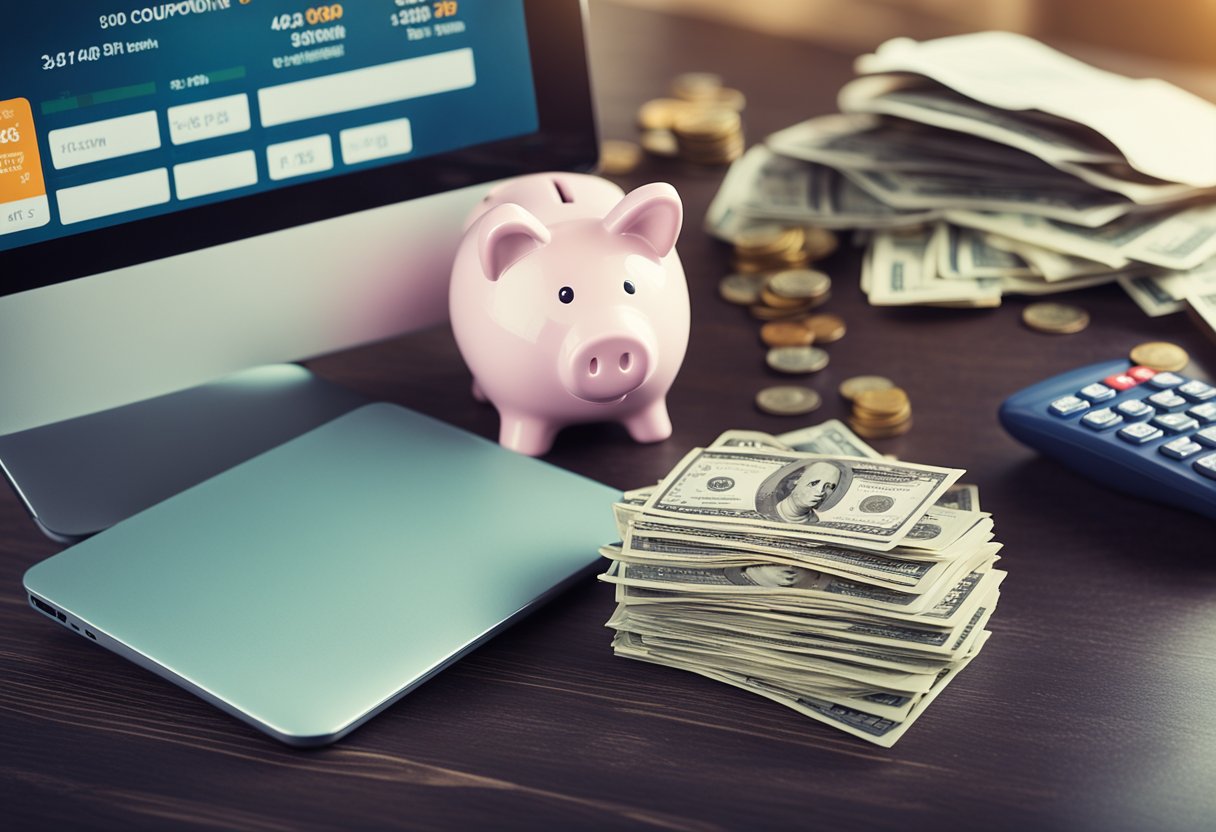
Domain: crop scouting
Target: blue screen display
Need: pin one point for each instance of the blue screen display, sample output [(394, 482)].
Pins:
[(112, 112)]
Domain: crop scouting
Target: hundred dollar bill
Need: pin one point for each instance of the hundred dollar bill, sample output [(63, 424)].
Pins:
[(894, 274), (878, 730), (720, 635), (832, 437), (764, 186), (656, 542), (1180, 240), (1161, 130), (908, 191), (911, 99), (850, 673), (767, 580), (961, 497), (846, 497), (881, 639), (956, 606), (1150, 295), (867, 142), (891, 573), (964, 253), (1201, 297), (888, 702)]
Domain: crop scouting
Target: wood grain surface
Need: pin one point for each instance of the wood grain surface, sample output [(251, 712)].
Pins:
[(1092, 706)]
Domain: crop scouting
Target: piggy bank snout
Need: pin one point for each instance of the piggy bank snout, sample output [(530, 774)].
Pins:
[(608, 366)]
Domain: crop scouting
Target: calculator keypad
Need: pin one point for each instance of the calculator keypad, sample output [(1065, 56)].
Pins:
[(1163, 381), (1134, 410), (1180, 411), (1181, 448), (1101, 419), (1167, 400), (1140, 433)]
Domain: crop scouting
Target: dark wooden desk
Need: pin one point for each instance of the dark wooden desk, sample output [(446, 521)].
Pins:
[(1091, 708)]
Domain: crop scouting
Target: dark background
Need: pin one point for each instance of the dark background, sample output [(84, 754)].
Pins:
[(1092, 706)]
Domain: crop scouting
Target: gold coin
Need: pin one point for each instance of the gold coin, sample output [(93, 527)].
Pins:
[(851, 387), (827, 328), (769, 298), (731, 98), (801, 284), (1160, 355), (660, 143), (882, 421), (618, 158), (881, 402), (764, 239), (797, 360), (786, 334), (1055, 318), (741, 289), (660, 113), (696, 86), (787, 400), (867, 432), (706, 124)]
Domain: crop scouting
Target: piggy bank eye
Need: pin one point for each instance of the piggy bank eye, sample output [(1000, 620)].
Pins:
[(629, 287), (565, 294)]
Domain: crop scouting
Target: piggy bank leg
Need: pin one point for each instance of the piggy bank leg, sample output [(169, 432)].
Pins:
[(477, 393), (526, 434), (650, 425)]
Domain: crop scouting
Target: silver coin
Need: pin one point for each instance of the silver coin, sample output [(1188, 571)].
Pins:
[(787, 400), (796, 359), (800, 283)]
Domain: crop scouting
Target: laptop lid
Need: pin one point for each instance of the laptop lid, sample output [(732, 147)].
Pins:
[(311, 587)]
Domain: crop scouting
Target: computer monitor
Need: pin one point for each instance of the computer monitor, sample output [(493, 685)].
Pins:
[(193, 187)]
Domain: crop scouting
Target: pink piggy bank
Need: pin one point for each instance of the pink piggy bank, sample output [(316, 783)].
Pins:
[(569, 305)]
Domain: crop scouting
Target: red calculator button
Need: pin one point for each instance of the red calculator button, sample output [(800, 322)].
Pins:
[(1121, 381), (1141, 373)]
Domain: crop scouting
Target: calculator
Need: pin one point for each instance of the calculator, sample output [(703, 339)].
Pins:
[(1141, 431)]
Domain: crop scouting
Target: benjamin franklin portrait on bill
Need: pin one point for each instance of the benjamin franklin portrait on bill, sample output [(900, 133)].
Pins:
[(801, 491)]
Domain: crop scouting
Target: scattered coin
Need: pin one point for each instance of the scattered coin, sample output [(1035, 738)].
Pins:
[(851, 387), (1160, 355), (741, 289), (786, 334), (799, 284), (618, 158), (826, 328), (787, 400), (796, 360), (1055, 318), (660, 143)]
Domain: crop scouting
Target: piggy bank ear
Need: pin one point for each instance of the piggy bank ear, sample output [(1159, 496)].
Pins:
[(504, 235), (653, 212)]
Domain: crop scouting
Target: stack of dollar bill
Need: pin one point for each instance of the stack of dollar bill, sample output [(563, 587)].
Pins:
[(989, 164), (808, 569)]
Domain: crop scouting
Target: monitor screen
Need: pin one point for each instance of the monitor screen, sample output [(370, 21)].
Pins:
[(190, 188), (120, 112), (181, 125)]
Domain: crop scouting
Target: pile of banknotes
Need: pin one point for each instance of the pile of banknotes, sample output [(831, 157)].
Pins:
[(808, 569), (989, 164)]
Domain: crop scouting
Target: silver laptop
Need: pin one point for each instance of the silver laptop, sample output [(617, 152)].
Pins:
[(308, 589)]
